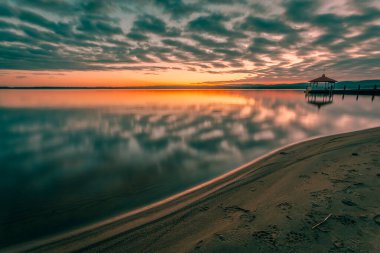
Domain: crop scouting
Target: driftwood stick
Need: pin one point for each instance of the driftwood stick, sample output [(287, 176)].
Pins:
[(320, 223)]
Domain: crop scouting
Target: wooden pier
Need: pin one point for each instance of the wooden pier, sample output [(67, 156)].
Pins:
[(324, 97), (324, 85), (368, 92)]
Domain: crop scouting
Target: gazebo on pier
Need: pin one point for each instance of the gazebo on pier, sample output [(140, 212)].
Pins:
[(329, 83)]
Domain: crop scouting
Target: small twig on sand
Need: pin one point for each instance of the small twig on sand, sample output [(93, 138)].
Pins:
[(320, 223)]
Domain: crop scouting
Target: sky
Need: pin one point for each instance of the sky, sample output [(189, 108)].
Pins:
[(186, 42)]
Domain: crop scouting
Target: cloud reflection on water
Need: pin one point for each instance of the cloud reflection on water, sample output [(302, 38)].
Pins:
[(73, 157)]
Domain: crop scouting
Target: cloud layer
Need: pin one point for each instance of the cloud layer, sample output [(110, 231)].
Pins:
[(283, 39)]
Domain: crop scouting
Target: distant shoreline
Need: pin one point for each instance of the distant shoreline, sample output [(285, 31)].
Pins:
[(147, 88)]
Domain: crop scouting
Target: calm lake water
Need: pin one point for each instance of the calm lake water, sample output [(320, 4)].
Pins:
[(73, 157)]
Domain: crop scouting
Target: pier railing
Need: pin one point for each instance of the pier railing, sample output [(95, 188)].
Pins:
[(375, 91)]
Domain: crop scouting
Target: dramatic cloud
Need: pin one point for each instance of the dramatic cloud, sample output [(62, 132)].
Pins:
[(256, 41)]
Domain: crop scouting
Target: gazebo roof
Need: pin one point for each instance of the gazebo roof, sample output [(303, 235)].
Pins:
[(323, 79)]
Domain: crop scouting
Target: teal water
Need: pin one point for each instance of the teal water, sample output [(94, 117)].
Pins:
[(72, 158)]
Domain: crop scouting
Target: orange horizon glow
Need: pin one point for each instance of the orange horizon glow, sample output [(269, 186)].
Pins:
[(112, 98), (125, 78), (128, 78)]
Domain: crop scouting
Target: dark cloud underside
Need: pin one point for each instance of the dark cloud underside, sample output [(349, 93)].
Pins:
[(211, 36)]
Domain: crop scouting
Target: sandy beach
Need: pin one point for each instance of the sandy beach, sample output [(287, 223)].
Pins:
[(316, 196)]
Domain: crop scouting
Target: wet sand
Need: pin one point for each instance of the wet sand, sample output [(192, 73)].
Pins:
[(317, 196)]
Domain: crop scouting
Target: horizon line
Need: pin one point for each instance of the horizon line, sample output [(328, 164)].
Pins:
[(184, 87)]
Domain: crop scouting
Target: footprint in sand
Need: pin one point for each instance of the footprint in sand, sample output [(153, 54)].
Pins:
[(348, 202), (284, 206), (246, 215), (338, 244), (321, 198), (199, 244), (295, 237), (233, 209), (359, 184), (267, 236), (220, 237), (304, 176), (376, 219), (345, 219)]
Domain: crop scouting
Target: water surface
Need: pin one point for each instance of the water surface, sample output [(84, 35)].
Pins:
[(74, 157)]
